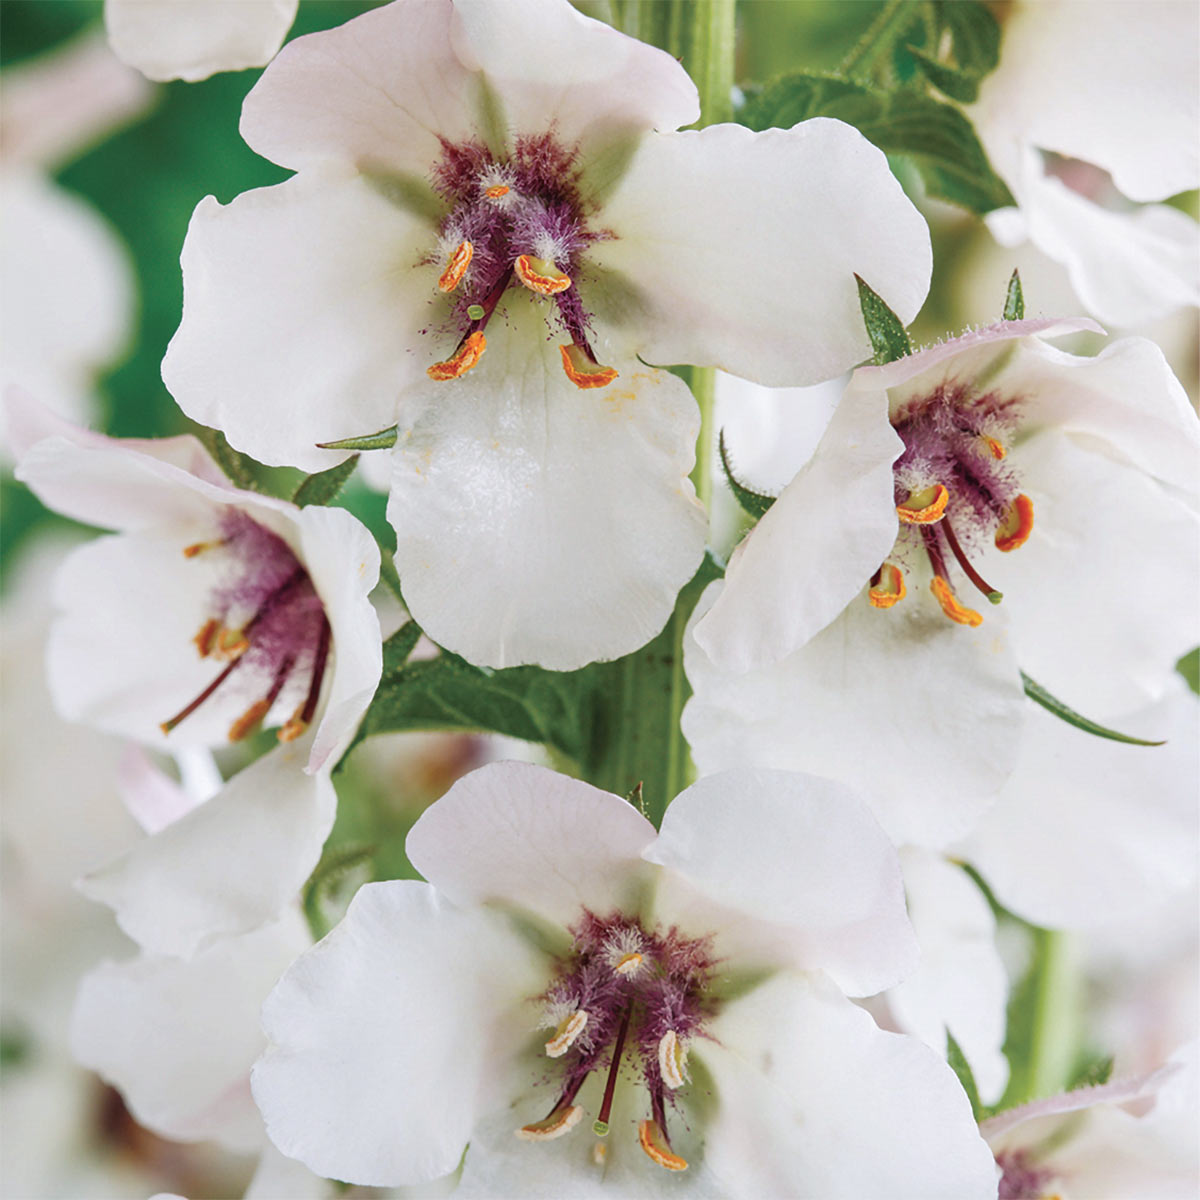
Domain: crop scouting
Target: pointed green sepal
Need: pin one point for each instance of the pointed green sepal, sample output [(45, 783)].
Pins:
[(888, 337), (385, 439), (1014, 302), (399, 647), (324, 486), (959, 1065), (1094, 1072), (240, 469), (754, 503), (1051, 704), (330, 888)]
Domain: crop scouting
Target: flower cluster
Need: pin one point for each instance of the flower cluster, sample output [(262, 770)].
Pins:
[(818, 760)]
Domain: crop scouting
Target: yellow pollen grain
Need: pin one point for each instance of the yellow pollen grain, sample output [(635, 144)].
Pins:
[(249, 721), (924, 508), (560, 1121), (463, 359), (1017, 525), (540, 276), (890, 589), (599, 1153), (652, 1141), (958, 612), (456, 268), (566, 1033), (582, 371)]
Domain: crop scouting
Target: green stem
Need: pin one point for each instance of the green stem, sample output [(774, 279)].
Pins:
[(703, 383), (877, 41), (708, 57), (1056, 1001)]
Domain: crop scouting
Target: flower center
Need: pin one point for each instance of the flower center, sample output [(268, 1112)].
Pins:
[(266, 621), (954, 488), (516, 222), (624, 986), (1022, 1179)]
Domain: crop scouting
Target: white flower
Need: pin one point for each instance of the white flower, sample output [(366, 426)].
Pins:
[(212, 613), (1132, 1137), (193, 39), (497, 223), (688, 988), (1093, 106), (844, 640)]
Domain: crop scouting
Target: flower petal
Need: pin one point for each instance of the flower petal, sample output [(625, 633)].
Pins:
[(387, 1036), (321, 340), (960, 985), (1115, 825), (540, 523), (817, 544), (1092, 596), (944, 706), (178, 1038), (525, 836), (193, 39), (228, 866), (759, 280), (811, 877), (814, 1100), (1114, 85), (279, 1178)]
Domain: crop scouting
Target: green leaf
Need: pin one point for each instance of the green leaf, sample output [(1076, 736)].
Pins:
[(974, 49), (959, 1065), (888, 337), (1092, 1072), (324, 486), (399, 647), (239, 468), (1014, 302), (1189, 667), (936, 136), (1039, 695), (754, 503), (339, 874), (385, 439)]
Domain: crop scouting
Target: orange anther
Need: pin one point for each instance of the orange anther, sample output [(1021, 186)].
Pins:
[(496, 191), (997, 450), (567, 1033), (889, 588), (539, 275), (654, 1142), (583, 370), (456, 268), (249, 721), (292, 728), (230, 645), (462, 360), (200, 547), (560, 1121), (924, 507), (1017, 525), (958, 612), (204, 639), (629, 964)]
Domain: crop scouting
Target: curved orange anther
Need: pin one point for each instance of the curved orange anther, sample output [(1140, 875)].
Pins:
[(1017, 525), (456, 267), (996, 448), (207, 636), (249, 721), (561, 1120), (462, 360), (583, 370), (889, 588), (925, 507), (958, 612), (541, 276), (653, 1141), (496, 191)]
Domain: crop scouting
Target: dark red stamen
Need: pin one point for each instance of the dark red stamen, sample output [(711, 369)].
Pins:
[(610, 1086), (489, 303), (973, 575), (187, 711), (318, 674)]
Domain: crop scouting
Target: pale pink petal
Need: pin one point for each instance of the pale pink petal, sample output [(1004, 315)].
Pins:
[(193, 39), (740, 249)]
